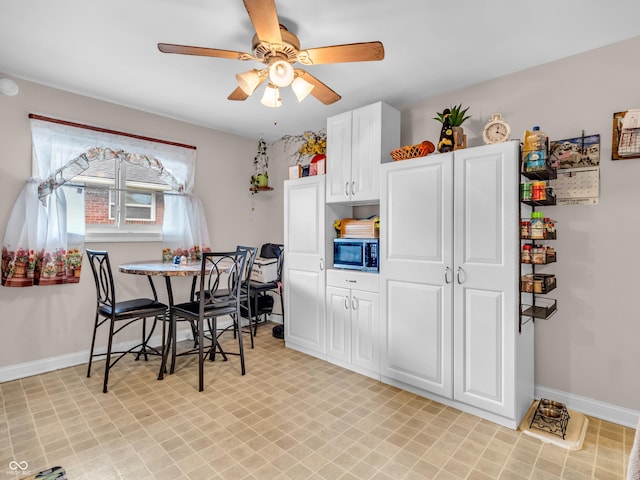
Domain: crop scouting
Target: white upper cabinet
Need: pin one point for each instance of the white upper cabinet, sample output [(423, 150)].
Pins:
[(358, 141)]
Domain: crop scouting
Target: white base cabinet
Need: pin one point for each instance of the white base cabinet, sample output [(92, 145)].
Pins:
[(352, 321), (449, 286)]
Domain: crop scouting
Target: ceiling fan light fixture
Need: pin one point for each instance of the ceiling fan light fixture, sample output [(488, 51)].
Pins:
[(271, 96), (301, 88), (281, 73), (248, 81)]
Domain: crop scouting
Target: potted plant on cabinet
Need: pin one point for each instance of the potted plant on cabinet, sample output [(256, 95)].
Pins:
[(452, 135)]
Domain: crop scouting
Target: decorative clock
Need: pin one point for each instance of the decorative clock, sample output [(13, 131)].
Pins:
[(497, 130)]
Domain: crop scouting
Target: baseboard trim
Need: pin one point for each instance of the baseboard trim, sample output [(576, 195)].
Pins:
[(36, 367), (594, 408)]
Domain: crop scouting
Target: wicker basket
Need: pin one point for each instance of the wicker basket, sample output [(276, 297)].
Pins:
[(410, 151)]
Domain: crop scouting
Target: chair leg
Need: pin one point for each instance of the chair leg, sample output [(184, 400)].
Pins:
[(108, 360), (249, 317), (166, 344), (241, 349), (213, 332), (174, 342), (215, 345), (200, 354), (282, 304), (194, 332), (255, 320), (143, 347), (93, 343)]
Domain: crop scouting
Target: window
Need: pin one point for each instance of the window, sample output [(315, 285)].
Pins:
[(120, 199), (140, 206), (117, 186)]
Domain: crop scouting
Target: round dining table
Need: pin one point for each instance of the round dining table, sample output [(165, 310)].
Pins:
[(168, 270), (153, 268)]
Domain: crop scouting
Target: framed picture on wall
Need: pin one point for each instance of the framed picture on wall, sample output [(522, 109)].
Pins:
[(625, 138)]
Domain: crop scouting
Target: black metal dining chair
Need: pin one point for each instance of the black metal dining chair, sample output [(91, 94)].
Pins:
[(245, 293), (119, 314), (245, 289), (219, 272), (259, 289)]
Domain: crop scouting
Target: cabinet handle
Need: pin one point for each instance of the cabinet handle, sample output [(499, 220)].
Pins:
[(321, 264), (351, 281), (353, 188), (458, 275), (446, 275), (346, 303), (354, 303), (346, 189)]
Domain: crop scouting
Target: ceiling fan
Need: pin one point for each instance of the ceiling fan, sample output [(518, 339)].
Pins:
[(279, 49)]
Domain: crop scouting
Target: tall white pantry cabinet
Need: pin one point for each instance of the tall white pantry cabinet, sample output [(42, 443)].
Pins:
[(304, 264), (449, 282), (441, 319)]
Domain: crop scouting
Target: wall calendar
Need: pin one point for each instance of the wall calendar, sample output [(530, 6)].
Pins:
[(578, 164)]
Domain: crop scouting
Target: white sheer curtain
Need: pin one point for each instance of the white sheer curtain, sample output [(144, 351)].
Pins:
[(44, 241), (184, 230)]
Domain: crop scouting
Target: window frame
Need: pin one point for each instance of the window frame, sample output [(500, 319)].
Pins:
[(120, 230)]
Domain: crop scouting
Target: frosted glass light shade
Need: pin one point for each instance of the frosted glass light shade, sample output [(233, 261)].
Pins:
[(271, 97), (281, 73), (248, 81), (301, 88)]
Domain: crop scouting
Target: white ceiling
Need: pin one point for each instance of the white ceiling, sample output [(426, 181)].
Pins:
[(107, 49)]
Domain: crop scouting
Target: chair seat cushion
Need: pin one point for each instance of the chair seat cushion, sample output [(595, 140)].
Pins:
[(211, 310), (260, 287), (137, 307)]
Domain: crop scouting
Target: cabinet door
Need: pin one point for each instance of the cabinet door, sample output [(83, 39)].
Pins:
[(304, 276), (416, 277), (339, 157), (338, 324), (365, 154), (486, 285), (364, 330)]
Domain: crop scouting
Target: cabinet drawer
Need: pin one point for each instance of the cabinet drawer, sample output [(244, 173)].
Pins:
[(353, 279)]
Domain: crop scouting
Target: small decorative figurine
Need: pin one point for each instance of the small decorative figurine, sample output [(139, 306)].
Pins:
[(445, 144)]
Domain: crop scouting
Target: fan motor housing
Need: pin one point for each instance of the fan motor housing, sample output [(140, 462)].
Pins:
[(289, 47)]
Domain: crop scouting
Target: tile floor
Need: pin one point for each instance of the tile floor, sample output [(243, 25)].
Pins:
[(290, 417)]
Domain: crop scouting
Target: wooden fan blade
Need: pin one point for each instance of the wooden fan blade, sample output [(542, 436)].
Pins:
[(264, 18), (203, 52), (320, 90), (238, 94), (353, 52)]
